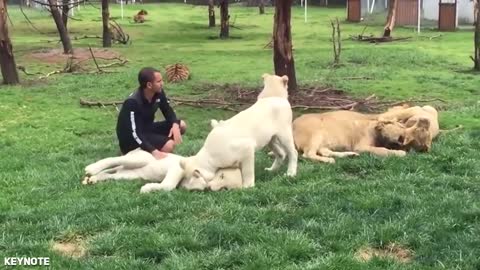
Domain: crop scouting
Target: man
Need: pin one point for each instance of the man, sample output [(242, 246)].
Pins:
[(136, 126)]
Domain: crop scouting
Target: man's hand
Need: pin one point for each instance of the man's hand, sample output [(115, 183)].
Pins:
[(159, 154), (175, 134)]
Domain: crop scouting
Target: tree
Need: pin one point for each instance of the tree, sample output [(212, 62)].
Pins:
[(282, 43), (476, 37), (261, 7), (65, 11), (224, 19), (211, 13), (475, 11), (62, 30), (392, 11), (7, 60), (107, 35)]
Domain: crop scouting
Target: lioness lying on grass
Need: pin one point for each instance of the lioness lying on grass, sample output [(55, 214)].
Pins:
[(319, 136)]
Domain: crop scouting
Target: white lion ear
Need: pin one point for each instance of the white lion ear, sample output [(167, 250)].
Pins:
[(265, 75), (183, 162)]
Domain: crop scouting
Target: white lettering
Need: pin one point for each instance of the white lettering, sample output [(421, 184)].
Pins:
[(8, 261)]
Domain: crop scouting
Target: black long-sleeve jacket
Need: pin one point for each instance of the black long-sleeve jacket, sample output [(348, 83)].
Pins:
[(137, 114)]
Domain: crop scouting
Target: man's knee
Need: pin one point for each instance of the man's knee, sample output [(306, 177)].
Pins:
[(168, 147), (183, 126)]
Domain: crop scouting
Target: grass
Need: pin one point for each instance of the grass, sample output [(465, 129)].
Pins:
[(426, 203)]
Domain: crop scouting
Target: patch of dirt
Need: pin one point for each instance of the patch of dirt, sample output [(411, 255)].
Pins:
[(391, 251), (73, 248), (55, 56), (237, 97), (308, 96)]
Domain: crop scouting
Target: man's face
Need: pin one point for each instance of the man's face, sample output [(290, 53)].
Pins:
[(157, 84)]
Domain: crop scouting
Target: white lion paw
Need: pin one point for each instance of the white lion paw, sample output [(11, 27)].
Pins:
[(147, 188)]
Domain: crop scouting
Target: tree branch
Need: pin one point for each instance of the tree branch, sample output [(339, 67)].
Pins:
[(30, 22), (94, 59), (73, 4)]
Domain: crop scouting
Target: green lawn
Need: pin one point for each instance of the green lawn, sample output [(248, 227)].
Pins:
[(428, 204)]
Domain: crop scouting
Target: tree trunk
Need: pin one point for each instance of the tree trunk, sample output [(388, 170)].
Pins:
[(475, 11), (107, 36), (477, 42), (224, 20), (392, 12), (62, 30), (211, 13), (282, 44), (65, 10), (7, 61), (261, 7)]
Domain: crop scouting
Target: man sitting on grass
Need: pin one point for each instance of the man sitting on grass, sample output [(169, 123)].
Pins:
[(136, 126)]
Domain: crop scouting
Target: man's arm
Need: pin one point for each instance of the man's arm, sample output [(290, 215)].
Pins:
[(136, 129), (167, 110)]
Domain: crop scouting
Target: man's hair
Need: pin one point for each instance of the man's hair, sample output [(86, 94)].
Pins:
[(146, 74)]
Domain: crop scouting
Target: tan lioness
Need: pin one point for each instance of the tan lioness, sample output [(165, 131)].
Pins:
[(421, 123), (320, 135)]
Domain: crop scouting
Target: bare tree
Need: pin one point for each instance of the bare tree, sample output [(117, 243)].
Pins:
[(336, 41), (261, 7), (392, 12), (282, 43), (224, 19), (475, 11), (476, 58), (62, 30), (7, 60), (211, 13), (107, 35)]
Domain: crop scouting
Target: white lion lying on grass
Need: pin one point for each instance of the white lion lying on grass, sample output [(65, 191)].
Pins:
[(167, 172)]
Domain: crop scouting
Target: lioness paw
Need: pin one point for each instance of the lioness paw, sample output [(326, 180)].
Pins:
[(148, 188), (86, 180), (291, 173)]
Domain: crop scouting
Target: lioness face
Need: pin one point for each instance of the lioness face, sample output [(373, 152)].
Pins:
[(418, 136), (419, 140), (191, 173)]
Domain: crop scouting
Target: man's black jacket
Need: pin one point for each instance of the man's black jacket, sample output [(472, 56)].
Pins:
[(137, 115)]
